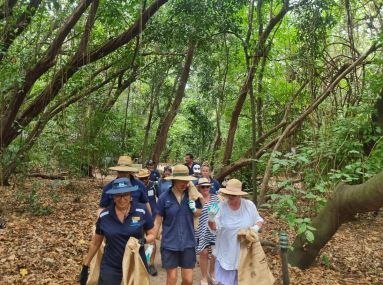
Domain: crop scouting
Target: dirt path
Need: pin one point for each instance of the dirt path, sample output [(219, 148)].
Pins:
[(48, 249)]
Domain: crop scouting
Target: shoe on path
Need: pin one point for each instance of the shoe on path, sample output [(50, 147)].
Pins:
[(152, 270)]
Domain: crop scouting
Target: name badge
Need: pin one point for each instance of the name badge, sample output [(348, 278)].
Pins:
[(150, 193)]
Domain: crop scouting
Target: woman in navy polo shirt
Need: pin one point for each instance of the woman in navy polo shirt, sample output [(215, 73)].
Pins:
[(176, 213), (117, 223)]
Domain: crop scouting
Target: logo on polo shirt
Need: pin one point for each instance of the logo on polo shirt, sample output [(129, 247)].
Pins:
[(135, 221)]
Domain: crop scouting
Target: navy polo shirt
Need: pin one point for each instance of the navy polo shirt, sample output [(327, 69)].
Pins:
[(151, 193), (178, 221), (214, 186), (154, 175), (138, 196), (117, 235), (163, 186)]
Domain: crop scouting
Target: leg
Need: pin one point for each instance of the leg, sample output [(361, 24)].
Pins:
[(171, 276), (203, 263), (152, 269), (187, 276), (212, 267)]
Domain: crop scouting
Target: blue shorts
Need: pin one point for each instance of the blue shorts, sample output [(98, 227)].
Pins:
[(173, 259)]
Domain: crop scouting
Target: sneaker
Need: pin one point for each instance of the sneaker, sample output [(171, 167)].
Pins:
[(152, 270)]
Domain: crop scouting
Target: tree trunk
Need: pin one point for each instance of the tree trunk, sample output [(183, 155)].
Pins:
[(8, 129), (163, 128), (257, 54), (346, 201)]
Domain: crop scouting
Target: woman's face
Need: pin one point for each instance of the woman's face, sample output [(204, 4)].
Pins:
[(205, 171), (180, 184), (167, 173), (122, 200), (233, 199), (204, 190)]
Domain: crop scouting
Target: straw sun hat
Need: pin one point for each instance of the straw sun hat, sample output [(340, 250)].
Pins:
[(233, 187), (124, 164), (203, 182), (143, 173), (180, 172)]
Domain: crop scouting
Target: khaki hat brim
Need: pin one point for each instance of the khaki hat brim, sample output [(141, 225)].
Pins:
[(123, 169), (142, 176), (183, 178), (235, 193)]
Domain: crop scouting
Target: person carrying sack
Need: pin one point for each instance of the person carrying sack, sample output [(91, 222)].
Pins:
[(226, 220), (125, 218), (176, 210), (133, 269)]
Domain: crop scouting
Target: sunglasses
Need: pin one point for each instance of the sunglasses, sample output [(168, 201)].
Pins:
[(204, 186)]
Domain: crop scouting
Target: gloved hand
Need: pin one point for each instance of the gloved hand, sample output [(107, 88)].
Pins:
[(255, 228), (212, 211), (83, 278), (192, 206), (142, 241)]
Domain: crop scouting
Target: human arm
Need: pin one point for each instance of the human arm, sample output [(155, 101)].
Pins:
[(157, 224), (93, 248), (148, 207)]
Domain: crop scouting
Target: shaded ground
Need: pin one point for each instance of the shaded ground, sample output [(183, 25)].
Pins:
[(48, 249)]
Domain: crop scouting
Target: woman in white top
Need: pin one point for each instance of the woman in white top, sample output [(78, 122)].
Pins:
[(226, 220)]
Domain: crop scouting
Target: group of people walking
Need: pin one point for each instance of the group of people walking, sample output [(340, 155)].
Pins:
[(141, 203)]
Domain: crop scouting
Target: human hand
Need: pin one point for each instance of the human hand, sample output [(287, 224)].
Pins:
[(142, 241), (255, 228), (83, 278), (212, 211), (192, 206)]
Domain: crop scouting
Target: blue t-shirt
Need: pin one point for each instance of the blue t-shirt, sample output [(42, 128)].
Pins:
[(151, 190), (154, 175), (117, 235), (138, 196), (163, 186), (178, 221)]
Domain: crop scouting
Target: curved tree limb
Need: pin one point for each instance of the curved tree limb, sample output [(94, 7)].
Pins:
[(346, 201)]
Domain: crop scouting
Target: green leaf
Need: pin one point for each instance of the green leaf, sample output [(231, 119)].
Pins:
[(309, 236)]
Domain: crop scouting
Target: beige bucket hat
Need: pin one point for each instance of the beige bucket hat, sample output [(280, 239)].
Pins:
[(203, 182), (124, 164), (180, 172), (233, 187), (143, 173)]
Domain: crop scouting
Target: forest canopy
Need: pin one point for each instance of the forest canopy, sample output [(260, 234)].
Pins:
[(273, 92)]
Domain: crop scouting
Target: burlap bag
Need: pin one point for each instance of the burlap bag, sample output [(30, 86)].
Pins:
[(194, 194), (252, 268), (133, 268), (94, 268)]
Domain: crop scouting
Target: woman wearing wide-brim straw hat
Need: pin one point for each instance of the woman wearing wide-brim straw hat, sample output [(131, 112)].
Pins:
[(176, 211), (124, 169), (226, 220), (205, 238)]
